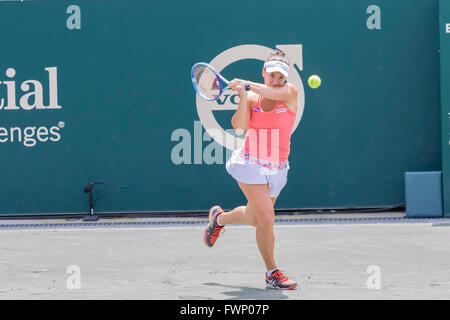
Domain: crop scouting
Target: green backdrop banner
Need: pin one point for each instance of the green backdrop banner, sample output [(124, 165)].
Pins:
[(444, 31), (101, 91)]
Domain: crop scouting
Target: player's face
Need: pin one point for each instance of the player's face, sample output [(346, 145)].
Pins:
[(274, 79)]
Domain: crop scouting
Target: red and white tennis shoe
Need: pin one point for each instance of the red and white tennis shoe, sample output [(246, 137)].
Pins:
[(277, 280), (213, 230)]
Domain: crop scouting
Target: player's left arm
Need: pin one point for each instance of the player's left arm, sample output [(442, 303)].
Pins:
[(287, 93), (284, 93)]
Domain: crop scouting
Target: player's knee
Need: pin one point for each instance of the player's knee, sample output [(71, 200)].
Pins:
[(266, 218)]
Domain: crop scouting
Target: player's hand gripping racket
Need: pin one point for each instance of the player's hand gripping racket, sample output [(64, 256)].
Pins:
[(208, 83)]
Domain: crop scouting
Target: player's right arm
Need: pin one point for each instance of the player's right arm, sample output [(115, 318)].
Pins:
[(241, 117)]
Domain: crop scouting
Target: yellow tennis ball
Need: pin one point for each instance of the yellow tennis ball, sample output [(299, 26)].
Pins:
[(314, 81)]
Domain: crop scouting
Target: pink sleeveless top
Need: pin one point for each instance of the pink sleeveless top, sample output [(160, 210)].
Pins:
[(268, 136)]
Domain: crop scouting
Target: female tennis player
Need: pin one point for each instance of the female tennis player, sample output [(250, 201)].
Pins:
[(260, 166)]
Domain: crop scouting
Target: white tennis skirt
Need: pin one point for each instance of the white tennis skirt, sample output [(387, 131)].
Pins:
[(251, 173)]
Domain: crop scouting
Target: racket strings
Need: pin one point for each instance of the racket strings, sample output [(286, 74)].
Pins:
[(207, 81)]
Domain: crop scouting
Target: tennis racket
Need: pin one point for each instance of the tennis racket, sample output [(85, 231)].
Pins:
[(208, 83)]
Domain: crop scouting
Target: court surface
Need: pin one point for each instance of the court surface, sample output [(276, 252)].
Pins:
[(374, 257)]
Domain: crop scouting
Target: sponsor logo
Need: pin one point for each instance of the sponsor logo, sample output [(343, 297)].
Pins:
[(31, 135), (32, 97), (28, 96)]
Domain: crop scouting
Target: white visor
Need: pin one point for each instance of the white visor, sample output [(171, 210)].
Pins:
[(277, 66)]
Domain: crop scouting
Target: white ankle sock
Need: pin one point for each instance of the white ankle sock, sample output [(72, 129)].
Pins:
[(269, 272), (218, 222)]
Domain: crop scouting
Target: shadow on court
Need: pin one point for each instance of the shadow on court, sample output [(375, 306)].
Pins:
[(242, 292)]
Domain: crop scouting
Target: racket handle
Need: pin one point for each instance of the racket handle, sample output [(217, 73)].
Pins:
[(247, 87)]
